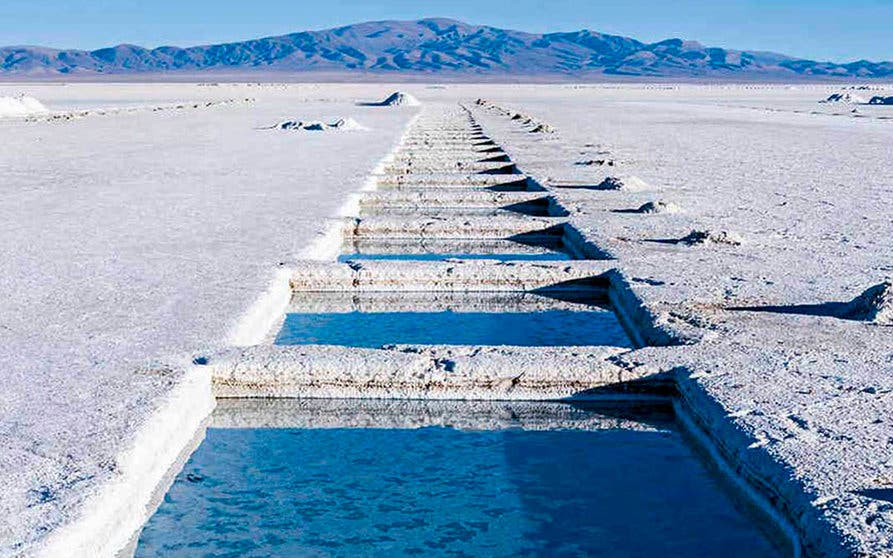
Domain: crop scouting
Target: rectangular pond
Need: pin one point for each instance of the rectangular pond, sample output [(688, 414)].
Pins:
[(545, 248), (395, 478), (533, 208), (374, 320)]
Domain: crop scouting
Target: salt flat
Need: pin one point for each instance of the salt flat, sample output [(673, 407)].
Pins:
[(135, 240)]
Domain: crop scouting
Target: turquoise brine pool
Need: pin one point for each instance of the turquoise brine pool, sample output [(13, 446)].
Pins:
[(548, 328), (458, 480)]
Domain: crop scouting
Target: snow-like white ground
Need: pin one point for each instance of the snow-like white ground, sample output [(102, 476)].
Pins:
[(133, 241)]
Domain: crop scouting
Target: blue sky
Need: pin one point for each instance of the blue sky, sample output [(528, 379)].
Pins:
[(819, 29)]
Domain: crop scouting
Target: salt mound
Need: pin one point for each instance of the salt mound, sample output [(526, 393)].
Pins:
[(313, 125), (342, 124), (704, 237), (595, 162), (625, 183), (400, 99), (875, 305), (347, 124), (847, 98), (21, 106), (658, 207), (881, 100)]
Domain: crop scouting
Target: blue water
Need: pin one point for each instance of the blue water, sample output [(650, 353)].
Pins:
[(375, 329), (438, 491)]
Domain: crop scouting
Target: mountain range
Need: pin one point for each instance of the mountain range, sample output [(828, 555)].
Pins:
[(437, 46)]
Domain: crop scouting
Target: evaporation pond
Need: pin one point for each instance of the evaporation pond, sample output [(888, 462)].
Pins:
[(439, 319), (448, 479)]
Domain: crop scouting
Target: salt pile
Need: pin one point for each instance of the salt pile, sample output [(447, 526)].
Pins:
[(881, 100), (347, 124), (658, 207), (847, 98), (400, 99), (696, 237), (299, 125), (875, 305), (342, 124), (21, 106), (625, 183)]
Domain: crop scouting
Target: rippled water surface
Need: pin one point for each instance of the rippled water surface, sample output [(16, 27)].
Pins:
[(535, 329), (622, 490)]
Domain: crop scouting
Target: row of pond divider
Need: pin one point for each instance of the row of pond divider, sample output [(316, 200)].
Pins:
[(462, 299), (452, 216)]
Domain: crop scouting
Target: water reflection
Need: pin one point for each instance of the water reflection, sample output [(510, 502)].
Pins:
[(337, 478)]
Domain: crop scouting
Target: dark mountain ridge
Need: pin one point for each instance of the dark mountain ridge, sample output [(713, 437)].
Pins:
[(436, 46)]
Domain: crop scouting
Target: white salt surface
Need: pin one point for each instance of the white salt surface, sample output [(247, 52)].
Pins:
[(132, 243)]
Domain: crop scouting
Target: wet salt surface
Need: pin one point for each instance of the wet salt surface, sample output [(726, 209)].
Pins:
[(595, 485), (546, 249), (530, 256), (547, 328)]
